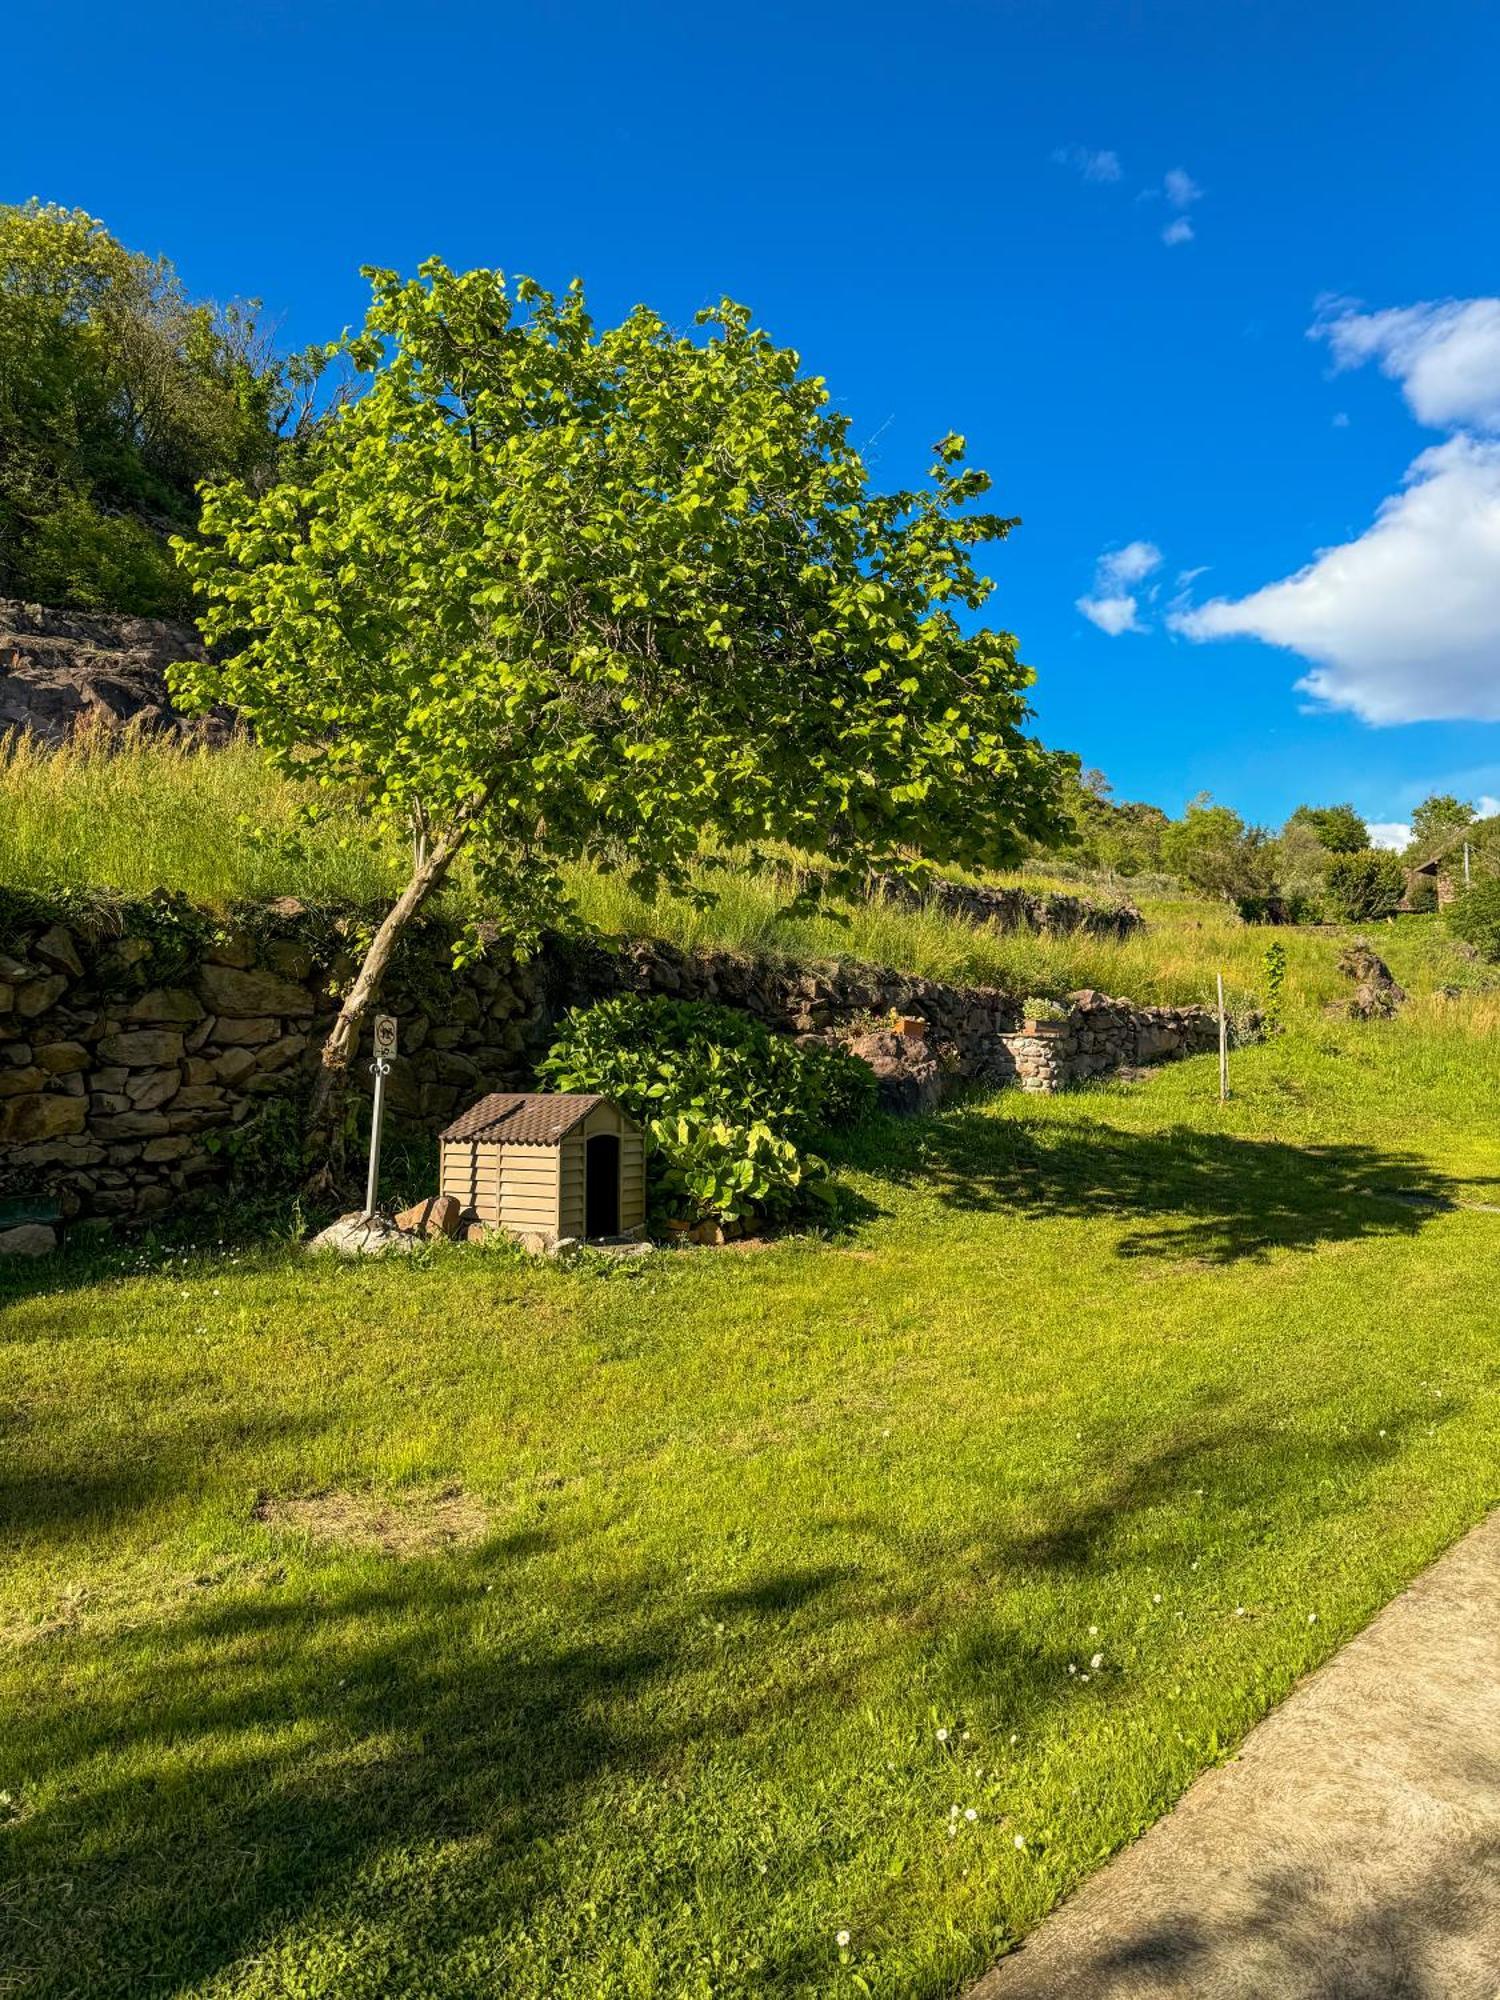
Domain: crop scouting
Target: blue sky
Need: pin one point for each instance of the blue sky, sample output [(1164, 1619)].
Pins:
[(1092, 237)]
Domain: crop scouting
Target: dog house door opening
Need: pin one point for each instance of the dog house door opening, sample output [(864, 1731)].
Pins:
[(601, 1186)]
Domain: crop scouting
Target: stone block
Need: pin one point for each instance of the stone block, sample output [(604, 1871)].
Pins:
[(197, 1069), (149, 1088), (282, 1052), (167, 1005), (235, 948), (133, 1125), (247, 993), (24, 1120), (62, 1057), (234, 1066), (142, 1048), (170, 1147), (22, 1082), (75, 1151), (198, 1097), (37, 995), (292, 960), (247, 1033), (55, 947), (437, 1216), (31, 1239)]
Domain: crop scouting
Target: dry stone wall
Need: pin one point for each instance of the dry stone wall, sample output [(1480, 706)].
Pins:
[(145, 1049)]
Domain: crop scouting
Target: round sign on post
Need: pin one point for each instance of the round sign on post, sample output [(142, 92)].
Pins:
[(385, 1049)]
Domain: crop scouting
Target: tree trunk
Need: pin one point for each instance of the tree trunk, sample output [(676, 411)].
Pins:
[(323, 1147)]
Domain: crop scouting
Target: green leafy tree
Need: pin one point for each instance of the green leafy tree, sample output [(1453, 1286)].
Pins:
[(1438, 814), (118, 394), (1118, 835), (1337, 829), (1215, 852), (1361, 886), (1474, 917), (545, 592)]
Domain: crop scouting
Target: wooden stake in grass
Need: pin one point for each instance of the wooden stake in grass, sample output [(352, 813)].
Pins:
[(1223, 1046)]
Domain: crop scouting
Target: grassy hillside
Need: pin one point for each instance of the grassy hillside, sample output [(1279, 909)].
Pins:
[(475, 1626), (220, 827)]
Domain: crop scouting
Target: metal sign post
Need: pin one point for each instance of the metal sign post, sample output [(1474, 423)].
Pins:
[(380, 1069)]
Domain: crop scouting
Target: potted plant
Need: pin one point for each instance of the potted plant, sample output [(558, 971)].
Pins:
[(1043, 1017)]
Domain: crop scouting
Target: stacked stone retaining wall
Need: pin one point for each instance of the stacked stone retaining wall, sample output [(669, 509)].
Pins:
[(142, 1046)]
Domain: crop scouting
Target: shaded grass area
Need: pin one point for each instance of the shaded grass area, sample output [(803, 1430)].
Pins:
[(792, 1561), (220, 827)]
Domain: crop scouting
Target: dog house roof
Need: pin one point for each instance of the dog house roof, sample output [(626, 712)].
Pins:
[(524, 1118)]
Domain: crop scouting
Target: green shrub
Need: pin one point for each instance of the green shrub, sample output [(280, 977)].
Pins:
[(1362, 886), (729, 1110), (103, 562), (1474, 916)]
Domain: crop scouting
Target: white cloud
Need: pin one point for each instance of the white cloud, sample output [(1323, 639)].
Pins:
[(1113, 607), (1130, 564), (1103, 165), (1180, 188), (1391, 834), (1403, 623), (1445, 356), (1180, 230), (1341, 420), (1113, 615)]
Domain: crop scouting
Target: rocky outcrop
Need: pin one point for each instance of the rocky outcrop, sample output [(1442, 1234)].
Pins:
[(62, 670), (148, 1051), (1377, 997)]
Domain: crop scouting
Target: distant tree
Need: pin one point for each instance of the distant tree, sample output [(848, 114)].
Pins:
[(544, 593), (1439, 813), (1474, 916), (1122, 837), (118, 395), (1215, 852), (1338, 829), (1362, 886)]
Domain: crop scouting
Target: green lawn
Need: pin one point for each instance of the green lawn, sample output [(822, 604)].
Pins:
[(793, 1559)]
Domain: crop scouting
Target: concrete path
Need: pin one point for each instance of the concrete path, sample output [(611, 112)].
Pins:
[(1351, 1851)]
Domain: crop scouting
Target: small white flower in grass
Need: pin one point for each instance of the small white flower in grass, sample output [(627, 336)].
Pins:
[(1239, 1611), (1019, 1842), (1071, 1668), (942, 1736), (970, 1814), (1312, 1617), (1156, 1597), (1014, 1737), (842, 1940), (1097, 1662), (1093, 1631)]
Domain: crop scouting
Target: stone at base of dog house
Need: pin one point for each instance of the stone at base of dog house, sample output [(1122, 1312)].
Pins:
[(359, 1235), (28, 1239), (439, 1215)]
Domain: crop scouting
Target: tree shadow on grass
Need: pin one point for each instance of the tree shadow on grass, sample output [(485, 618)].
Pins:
[(1182, 1193)]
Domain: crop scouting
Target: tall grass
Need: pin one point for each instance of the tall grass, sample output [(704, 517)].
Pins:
[(221, 827)]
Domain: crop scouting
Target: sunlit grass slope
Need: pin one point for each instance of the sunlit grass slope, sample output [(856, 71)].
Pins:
[(220, 827), (876, 1588)]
